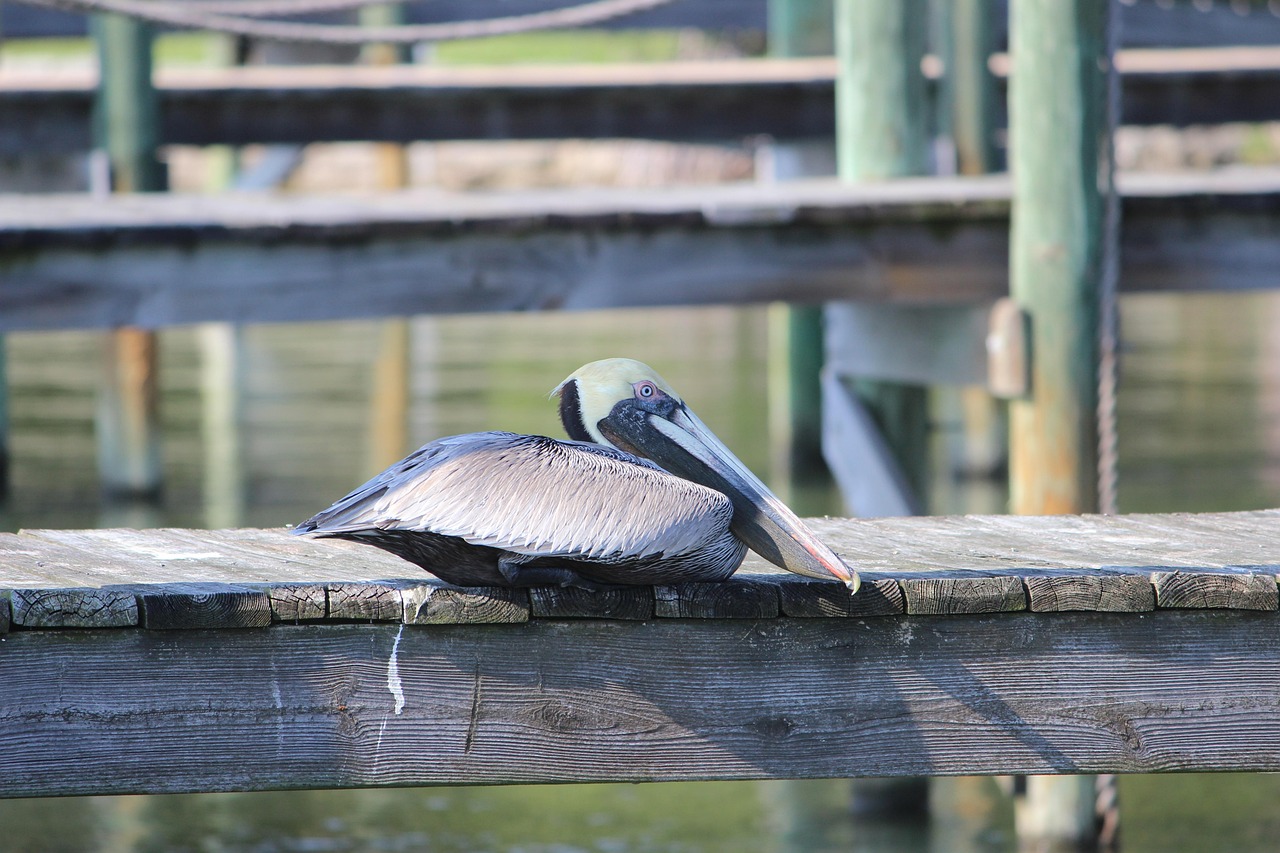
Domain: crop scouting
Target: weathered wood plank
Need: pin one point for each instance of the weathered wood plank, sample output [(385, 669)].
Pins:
[(587, 700), (172, 609), (570, 603), (746, 598), (39, 563), (361, 582), (1215, 589), (298, 602), (365, 601), (152, 556), (1030, 545), (876, 597), (441, 604), (155, 261), (939, 596), (1119, 593), (73, 608)]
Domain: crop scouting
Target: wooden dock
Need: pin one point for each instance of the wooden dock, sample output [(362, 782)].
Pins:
[(690, 101), (181, 660), (158, 260)]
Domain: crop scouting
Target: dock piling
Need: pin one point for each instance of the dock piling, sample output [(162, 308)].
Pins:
[(881, 118), (127, 128)]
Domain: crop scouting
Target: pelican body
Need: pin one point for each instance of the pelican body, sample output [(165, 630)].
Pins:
[(642, 493)]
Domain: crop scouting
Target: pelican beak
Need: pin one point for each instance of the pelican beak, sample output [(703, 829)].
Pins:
[(680, 442)]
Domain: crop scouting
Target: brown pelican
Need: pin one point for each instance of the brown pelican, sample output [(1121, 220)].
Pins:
[(497, 508)]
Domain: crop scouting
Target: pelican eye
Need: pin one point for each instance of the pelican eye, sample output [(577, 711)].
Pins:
[(646, 390)]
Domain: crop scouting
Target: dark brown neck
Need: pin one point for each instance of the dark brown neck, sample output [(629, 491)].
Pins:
[(571, 412)]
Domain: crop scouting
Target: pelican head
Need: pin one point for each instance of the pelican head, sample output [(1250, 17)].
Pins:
[(621, 403)]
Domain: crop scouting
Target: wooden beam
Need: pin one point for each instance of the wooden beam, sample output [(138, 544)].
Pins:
[(334, 704), (179, 685), (681, 101), (322, 706), (153, 261), (797, 28)]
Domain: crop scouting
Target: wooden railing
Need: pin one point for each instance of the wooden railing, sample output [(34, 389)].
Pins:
[(177, 660)]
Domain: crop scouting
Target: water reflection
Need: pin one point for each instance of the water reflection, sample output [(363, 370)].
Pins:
[(1199, 427)]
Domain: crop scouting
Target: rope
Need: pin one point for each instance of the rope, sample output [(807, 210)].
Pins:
[(271, 8), (180, 15), (1108, 313)]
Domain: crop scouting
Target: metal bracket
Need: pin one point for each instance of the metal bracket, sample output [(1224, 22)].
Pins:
[(1008, 350)]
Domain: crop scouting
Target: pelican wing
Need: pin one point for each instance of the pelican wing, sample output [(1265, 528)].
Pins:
[(537, 496)]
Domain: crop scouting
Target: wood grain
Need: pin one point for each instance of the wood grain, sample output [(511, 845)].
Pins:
[(940, 596), (1132, 593), (876, 597), (73, 608), (298, 602), (324, 706), (1212, 589), (442, 604), (745, 599), (364, 601), (194, 610), (572, 603)]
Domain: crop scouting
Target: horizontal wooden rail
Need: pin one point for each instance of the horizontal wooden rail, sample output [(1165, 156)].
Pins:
[(683, 101), (177, 660), (152, 261)]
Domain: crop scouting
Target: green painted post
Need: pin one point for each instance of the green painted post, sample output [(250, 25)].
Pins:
[(971, 88), (127, 127), (802, 28), (881, 121), (126, 110), (1062, 176), (881, 97)]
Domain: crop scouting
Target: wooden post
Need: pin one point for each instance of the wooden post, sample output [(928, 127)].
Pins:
[(880, 90), (389, 409), (127, 111), (798, 28), (126, 127), (127, 417), (966, 117), (971, 88), (1062, 176), (881, 108), (222, 423)]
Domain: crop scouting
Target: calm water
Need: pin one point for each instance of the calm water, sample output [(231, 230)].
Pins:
[(1199, 426)]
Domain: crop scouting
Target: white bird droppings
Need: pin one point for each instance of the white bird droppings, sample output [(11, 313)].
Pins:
[(393, 674)]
